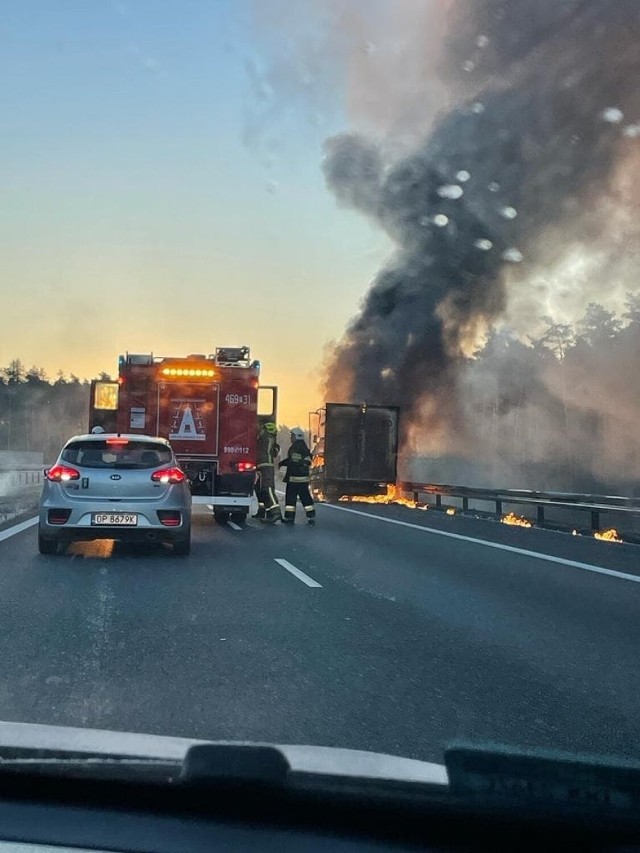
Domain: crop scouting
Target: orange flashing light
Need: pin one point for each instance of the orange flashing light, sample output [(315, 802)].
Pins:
[(196, 372)]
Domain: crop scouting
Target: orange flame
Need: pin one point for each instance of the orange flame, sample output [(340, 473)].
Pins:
[(451, 510), (516, 520), (610, 535), (392, 496)]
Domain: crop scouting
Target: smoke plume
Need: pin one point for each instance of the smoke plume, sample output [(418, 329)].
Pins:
[(532, 158)]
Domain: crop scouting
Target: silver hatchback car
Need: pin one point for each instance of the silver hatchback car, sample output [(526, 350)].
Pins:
[(125, 487)]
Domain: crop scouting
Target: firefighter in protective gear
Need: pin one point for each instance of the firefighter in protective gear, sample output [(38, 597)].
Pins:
[(268, 450), (298, 464)]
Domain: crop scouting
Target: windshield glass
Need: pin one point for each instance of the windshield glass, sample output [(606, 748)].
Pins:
[(371, 270), (106, 454)]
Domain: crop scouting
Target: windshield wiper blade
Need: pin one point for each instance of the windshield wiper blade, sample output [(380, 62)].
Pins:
[(543, 777), (85, 764), (214, 763)]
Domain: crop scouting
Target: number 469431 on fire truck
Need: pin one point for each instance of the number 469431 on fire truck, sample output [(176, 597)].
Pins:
[(208, 407)]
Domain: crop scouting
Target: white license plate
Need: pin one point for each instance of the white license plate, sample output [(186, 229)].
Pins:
[(114, 519)]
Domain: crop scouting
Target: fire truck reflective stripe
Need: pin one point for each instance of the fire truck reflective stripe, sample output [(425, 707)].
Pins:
[(297, 573)]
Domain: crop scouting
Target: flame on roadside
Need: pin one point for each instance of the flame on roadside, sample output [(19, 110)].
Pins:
[(393, 496), (451, 510), (610, 535), (516, 520)]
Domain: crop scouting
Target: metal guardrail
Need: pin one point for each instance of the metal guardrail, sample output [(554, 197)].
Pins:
[(28, 475), (594, 504)]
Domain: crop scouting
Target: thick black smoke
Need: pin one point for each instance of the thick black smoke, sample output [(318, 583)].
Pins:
[(547, 95)]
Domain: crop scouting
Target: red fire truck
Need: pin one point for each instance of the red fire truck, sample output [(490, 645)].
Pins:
[(209, 408)]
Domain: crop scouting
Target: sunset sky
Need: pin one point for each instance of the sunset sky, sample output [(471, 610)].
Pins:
[(151, 203)]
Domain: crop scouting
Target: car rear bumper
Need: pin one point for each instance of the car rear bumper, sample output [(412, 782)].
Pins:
[(80, 526), (63, 534)]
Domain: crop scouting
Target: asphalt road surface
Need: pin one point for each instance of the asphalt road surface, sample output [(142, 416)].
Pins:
[(377, 629)]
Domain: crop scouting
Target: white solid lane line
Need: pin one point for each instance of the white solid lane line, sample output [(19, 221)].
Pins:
[(297, 573), (234, 525), (587, 567), (17, 528)]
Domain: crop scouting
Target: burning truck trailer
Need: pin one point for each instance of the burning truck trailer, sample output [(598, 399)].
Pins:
[(208, 407), (355, 450)]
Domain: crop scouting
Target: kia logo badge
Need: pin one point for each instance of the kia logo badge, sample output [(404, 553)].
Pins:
[(116, 477)]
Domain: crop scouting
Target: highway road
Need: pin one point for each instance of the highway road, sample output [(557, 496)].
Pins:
[(382, 628)]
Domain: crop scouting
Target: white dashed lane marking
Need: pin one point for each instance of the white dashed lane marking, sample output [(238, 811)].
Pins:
[(297, 573)]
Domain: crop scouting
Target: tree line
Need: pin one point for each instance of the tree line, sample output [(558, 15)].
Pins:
[(39, 414)]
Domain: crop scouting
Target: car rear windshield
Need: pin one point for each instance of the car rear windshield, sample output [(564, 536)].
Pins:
[(102, 454)]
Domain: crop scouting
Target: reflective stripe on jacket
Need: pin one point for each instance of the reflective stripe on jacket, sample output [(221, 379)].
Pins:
[(268, 449)]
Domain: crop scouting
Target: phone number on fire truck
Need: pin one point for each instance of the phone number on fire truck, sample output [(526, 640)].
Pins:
[(237, 399), (236, 450)]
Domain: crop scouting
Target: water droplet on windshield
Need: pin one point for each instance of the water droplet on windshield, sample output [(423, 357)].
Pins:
[(494, 187), (482, 41), (468, 65), (463, 176), (440, 220), (450, 191), (483, 244), (477, 107), (508, 212), (513, 255), (632, 131), (613, 115)]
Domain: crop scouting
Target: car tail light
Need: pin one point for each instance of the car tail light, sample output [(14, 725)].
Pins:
[(169, 475), (58, 516), (169, 517), (62, 473), (246, 466)]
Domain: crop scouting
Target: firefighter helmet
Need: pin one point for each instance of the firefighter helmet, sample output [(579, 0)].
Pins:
[(297, 433), (271, 428)]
